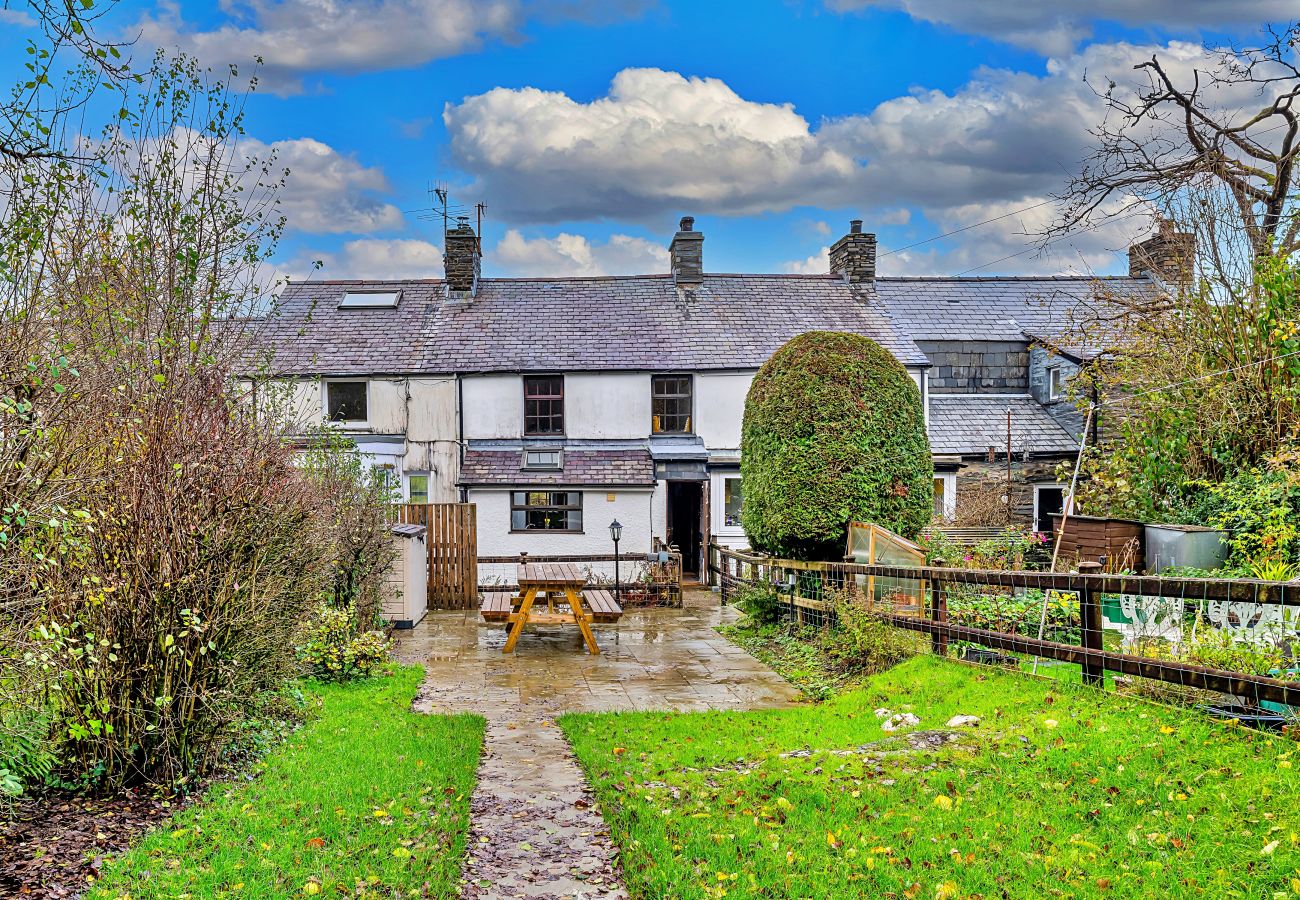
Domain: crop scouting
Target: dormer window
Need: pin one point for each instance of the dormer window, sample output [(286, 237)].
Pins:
[(370, 299), (542, 459), (1055, 383)]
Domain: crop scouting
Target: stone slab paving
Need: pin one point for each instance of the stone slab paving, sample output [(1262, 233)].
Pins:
[(536, 831)]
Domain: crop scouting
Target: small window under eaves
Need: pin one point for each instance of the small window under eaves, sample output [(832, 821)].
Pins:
[(370, 299)]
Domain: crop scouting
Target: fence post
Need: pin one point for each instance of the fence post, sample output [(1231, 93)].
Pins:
[(1094, 672), (939, 615)]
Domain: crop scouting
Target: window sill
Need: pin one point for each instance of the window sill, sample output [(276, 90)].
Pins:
[(547, 531)]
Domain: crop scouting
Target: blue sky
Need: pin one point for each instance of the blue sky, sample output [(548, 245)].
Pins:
[(589, 127)]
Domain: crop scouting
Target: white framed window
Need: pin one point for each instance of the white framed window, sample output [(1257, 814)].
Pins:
[(542, 459), (545, 510), (945, 495), (370, 299), (417, 487), (347, 401), (1055, 383), (733, 498)]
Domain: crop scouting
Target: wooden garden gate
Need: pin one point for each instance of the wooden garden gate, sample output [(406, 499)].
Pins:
[(452, 540)]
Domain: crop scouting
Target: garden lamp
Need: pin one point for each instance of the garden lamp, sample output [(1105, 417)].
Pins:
[(616, 532)]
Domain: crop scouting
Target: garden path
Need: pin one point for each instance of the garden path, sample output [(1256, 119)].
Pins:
[(536, 831)]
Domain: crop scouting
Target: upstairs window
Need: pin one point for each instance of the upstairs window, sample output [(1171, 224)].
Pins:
[(1055, 383), (670, 399), (545, 511), (346, 401), (543, 405)]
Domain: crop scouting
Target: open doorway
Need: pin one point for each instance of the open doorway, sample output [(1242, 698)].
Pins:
[(685, 516), (1049, 500)]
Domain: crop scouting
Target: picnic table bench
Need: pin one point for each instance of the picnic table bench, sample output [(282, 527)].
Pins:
[(558, 583)]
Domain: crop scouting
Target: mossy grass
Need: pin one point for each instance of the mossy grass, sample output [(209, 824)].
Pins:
[(1060, 791), (367, 799)]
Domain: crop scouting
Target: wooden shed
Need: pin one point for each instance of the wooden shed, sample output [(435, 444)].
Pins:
[(1118, 543)]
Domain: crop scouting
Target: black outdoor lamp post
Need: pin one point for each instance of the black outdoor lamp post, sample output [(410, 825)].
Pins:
[(616, 532)]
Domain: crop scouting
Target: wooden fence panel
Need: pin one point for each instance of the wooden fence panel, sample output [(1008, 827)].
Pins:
[(452, 540)]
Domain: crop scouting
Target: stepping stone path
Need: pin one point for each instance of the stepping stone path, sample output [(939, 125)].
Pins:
[(535, 828)]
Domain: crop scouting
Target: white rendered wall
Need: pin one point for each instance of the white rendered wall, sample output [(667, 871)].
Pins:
[(720, 407), (432, 432), (606, 405), (630, 507), (494, 406)]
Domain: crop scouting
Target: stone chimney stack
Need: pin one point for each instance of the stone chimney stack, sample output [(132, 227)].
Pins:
[(687, 252), (461, 257), (853, 257), (1168, 256)]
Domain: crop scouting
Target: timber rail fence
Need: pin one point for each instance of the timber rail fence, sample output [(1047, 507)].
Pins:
[(953, 604)]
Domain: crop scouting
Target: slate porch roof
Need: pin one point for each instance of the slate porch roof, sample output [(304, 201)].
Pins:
[(967, 424), (569, 324), (624, 467)]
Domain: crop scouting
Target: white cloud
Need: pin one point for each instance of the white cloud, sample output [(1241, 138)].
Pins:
[(297, 38), (371, 258), (16, 17), (1058, 26), (817, 264), (659, 143), (1010, 244), (327, 192), (573, 254)]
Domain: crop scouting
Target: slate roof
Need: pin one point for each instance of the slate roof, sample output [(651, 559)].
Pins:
[(570, 324), (581, 467), (999, 309), (964, 424)]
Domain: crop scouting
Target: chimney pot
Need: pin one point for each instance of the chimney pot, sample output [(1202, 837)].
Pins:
[(853, 257), (687, 254)]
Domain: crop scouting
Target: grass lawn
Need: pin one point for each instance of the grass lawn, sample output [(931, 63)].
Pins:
[(1061, 791), (367, 799)]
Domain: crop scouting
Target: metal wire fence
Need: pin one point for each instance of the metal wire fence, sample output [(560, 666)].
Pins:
[(1217, 642)]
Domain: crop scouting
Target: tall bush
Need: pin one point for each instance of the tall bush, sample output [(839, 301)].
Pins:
[(833, 433), (162, 552), (185, 598)]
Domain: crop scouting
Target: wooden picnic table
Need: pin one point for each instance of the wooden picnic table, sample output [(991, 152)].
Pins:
[(562, 581)]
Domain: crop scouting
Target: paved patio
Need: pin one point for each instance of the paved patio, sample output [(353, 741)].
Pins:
[(536, 831)]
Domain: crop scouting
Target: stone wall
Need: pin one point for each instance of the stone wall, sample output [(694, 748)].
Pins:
[(974, 475), (977, 367), (1063, 411)]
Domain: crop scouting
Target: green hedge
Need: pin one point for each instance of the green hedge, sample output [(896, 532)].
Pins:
[(833, 433)]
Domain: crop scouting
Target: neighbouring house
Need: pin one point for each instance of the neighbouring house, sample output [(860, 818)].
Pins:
[(558, 405)]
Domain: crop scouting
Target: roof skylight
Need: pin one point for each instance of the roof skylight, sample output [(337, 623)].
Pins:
[(370, 299)]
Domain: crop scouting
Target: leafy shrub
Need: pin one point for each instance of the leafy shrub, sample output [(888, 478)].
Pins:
[(1017, 613), (833, 433), (158, 646), (760, 602), (862, 643), (335, 649), (1260, 510), (354, 502)]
